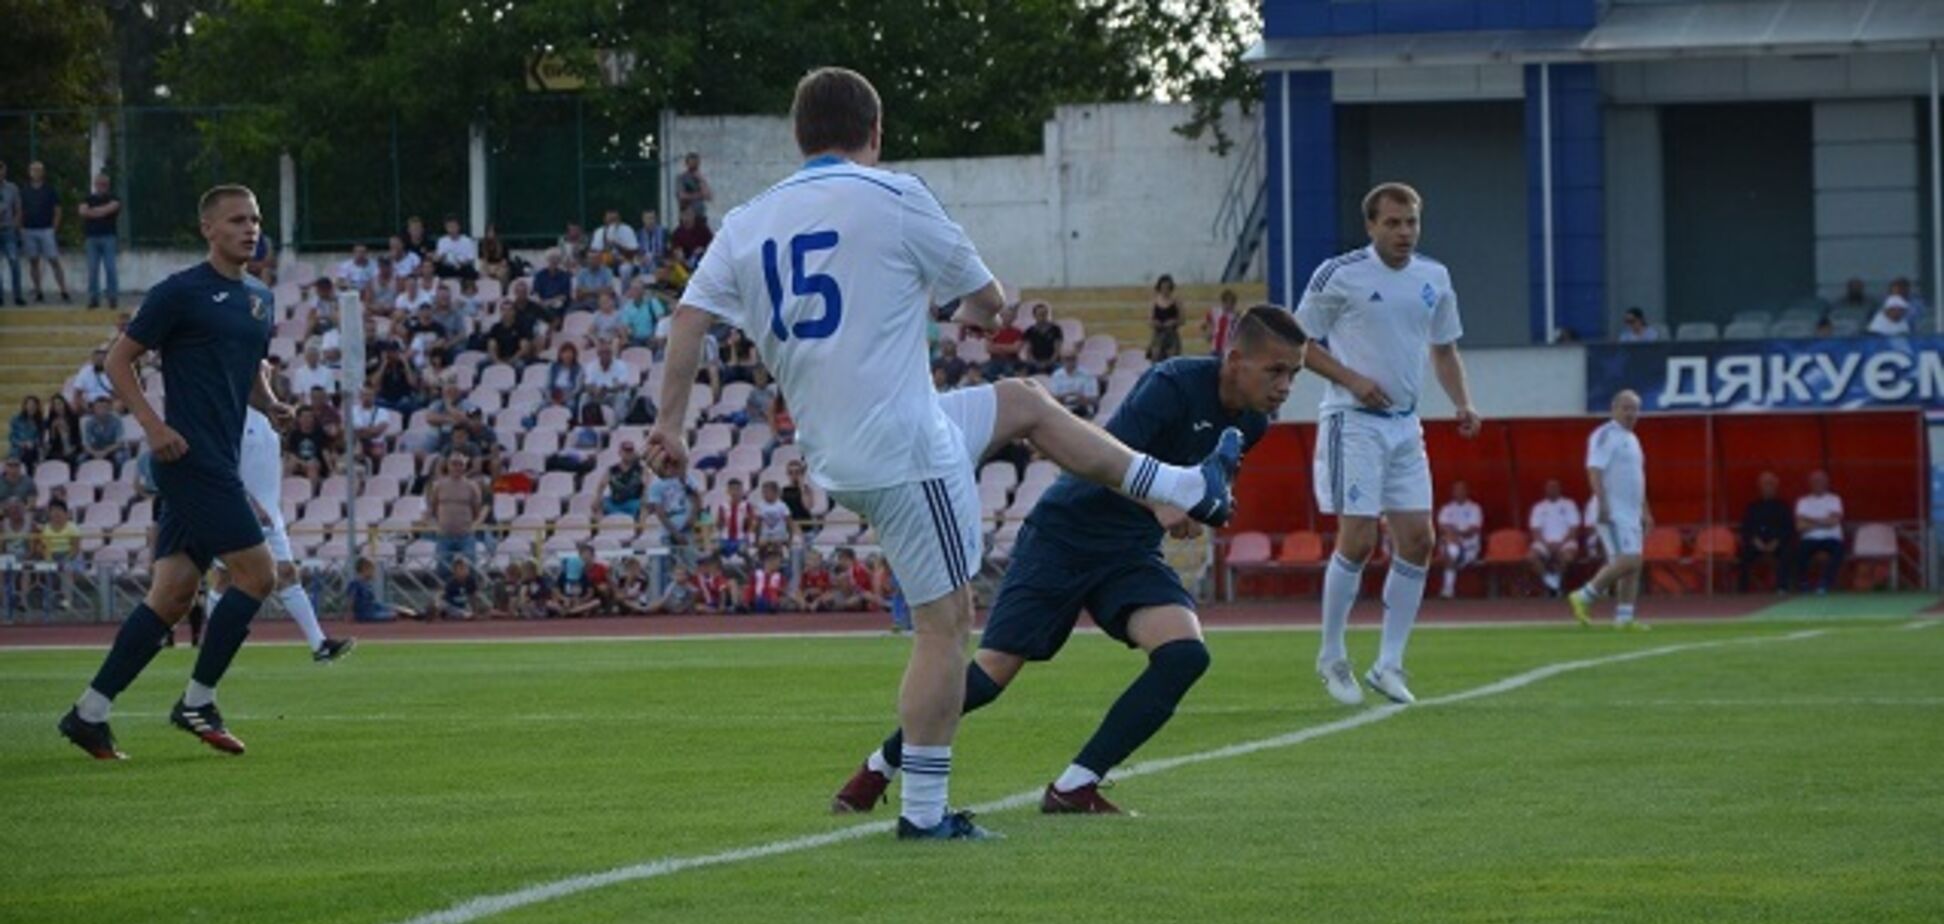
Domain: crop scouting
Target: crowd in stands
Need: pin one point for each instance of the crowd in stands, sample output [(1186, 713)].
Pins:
[(1899, 313)]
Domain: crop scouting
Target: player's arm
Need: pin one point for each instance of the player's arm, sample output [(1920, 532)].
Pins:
[(1365, 389), (167, 444), (263, 397), (981, 308), (667, 444), (1450, 368), (1596, 479)]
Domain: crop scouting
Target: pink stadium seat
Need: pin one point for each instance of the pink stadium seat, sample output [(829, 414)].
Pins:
[(370, 510), (462, 375), (296, 489), (1001, 473), (992, 498), (381, 486), (333, 488), (542, 439), (712, 439), (784, 455), (534, 377), (617, 524), (323, 511), (556, 484), (399, 466), (547, 508), (746, 459), (101, 517), (581, 504), (499, 377), (641, 359), (52, 472), (553, 417), (576, 324), (420, 554), (505, 507), (1073, 333), (526, 462), (95, 471), (116, 495)]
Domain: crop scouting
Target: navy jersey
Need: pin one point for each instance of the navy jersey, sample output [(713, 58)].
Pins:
[(212, 333), (1174, 414)]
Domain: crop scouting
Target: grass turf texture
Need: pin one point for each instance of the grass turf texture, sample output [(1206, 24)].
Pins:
[(1791, 781)]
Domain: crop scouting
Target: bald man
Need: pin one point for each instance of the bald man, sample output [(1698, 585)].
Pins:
[(1617, 470)]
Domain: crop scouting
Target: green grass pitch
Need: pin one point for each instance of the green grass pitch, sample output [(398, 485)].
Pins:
[(1774, 781)]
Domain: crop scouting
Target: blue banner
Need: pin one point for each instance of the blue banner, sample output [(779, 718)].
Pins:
[(1760, 375)]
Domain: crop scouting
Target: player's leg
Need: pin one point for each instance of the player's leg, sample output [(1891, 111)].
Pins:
[(253, 576), (1407, 509), (986, 677), (172, 590), (1618, 577), (1024, 410), (1177, 658), (1348, 469)]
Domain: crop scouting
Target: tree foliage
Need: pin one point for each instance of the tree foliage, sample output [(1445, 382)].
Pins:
[(55, 55)]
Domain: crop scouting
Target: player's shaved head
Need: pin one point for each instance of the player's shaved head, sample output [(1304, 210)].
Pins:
[(1263, 359), (835, 109), (217, 195), (1626, 407)]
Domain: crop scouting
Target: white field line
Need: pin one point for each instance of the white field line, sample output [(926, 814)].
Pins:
[(489, 905)]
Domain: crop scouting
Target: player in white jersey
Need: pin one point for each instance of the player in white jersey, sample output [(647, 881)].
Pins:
[(1617, 469), (261, 467), (830, 273), (1378, 310)]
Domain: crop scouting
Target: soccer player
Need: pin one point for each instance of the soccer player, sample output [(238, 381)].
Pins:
[(1379, 309), (262, 473), (830, 273), (1617, 469), (1084, 547), (212, 331)]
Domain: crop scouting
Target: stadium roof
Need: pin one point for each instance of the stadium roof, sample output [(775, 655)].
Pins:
[(1638, 32)]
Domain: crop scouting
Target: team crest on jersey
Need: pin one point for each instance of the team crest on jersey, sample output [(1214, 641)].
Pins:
[(1430, 296), (257, 309)]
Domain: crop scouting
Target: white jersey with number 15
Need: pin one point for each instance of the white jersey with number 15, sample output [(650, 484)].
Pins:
[(830, 272)]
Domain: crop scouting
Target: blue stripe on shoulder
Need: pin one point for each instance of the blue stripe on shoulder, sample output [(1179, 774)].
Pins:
[(1330, 266), (812, 178)]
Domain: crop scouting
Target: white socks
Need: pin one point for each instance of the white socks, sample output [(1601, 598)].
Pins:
[(1552, 581), (1403, 593), (1341, 581), (298, 604), (198, 696), (927, 772), (879, 765), (1152, 479), (1588, 593), (1623, 614), (1075, 777), (92, 706)]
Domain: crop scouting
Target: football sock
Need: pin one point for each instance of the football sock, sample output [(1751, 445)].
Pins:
[(1552, 581), (1151, 479), (1146, 706), (1624, 613), (1587, 593), (229, 625), (927, 771), (1403, 593), (1075, 777), (135, 645), (1341, 581), (197, 696), (980, 689), (298, 604), (1450, 581)]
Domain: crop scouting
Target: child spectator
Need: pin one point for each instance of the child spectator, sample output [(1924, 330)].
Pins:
[(365, 603), (843, 597), (536, 598), (769, 586), (713, 592), (814, 584), (679, 597), (631, 592), (459, 598)]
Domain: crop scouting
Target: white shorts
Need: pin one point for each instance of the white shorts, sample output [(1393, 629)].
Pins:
[(930, 530), (1621, 537), (1368, 464), (261, 468), (1468, 552)]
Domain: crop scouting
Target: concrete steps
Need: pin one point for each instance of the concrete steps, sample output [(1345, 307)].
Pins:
[(1123, 310), (40, 347)]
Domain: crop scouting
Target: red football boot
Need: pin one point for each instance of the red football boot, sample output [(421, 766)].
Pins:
[(861, 793)]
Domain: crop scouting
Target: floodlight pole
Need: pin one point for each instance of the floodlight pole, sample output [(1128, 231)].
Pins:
[(1546, 197), (1937, 203)]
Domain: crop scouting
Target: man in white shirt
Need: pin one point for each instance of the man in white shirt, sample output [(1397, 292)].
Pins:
[(371, 425), (1381, 308), (1461, 526), (310, 372), (91, 381), (829, 273), (1555, 526), (1616, 469), (774, 527), (456, 255), (1893, 319), (357, 272), (404, 262), (1076, 391), (1819, 530), (614, 242), (609, 380)]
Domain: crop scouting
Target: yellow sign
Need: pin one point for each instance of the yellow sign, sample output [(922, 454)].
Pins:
[(550, 72)]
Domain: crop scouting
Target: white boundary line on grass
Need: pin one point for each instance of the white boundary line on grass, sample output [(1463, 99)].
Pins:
[(489, 905)]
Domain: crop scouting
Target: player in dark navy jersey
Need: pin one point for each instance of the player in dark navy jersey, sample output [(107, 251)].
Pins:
[(211, 327), (1087, 547)]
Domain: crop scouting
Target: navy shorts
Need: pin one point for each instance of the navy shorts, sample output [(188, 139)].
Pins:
[(1049, 582), (202, 514)]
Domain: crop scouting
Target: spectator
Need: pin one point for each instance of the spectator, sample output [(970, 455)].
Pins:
[(566, 377), (1919, 309), (24, 433), (59, 539), (1555, 525), (1825, 328), (949, 364), (1461, 523), (40, 222), (449, 413), (1855, 296), (1893, 319), (459, 596), (975, 376), (692, 236), (761, 403), (311, 372), (418, 241), (672, 275), (735, 520), (672, 501), (396, 381), (16, 542), (101, 434), (1767, 531), (495, 261), (782, 425), (632, 593), (456, 509), (366, 603), (775, 525), (861, 575), (533, 596), (90, 382), (769, 586), (372, 424), (692, 190), (1218, 323), (553, 285), (800, 495), (404, 261), (1076, 391), (1819, 524), (507, 341), (609, 382), (1635, 329), (814, 583), (10, 234), (621, 487), (61, 441), (583, 584), (357, 272), (1043, 341), (327, 414), (17, 485), (1164, 319), (100, 212), (615, 244), (652, 238), (607, 325), (591, 281), (309, 452), (739, 361), (713, 592), (640, 312), (573, 243), (413, 295), (844, 596), (679, 596), (1004, 346)]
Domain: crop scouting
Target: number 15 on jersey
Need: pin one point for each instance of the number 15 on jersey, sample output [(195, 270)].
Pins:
[(801, 284)]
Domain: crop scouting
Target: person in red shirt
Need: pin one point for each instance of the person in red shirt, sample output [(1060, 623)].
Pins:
[(713, 592), (1220, 320), (769, 586), (1004, 346), (814, 585), (735, 522)]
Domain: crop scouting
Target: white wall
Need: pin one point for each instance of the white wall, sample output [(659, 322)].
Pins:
[(1866, 193), (1636, 214), (1115, 198)]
